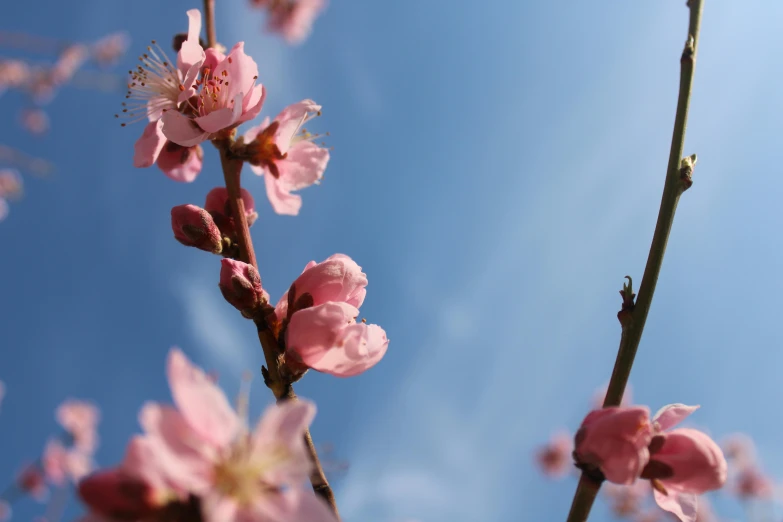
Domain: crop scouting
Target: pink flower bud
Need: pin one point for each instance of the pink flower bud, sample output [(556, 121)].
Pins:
[(217, 204), (338, 279), (615, 441), (327, 338), (193, 226), (113, 493), (241, 286)]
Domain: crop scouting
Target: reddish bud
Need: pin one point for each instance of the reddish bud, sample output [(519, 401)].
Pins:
[(114, 494), (219, 206), (193, 226), (241, 286)]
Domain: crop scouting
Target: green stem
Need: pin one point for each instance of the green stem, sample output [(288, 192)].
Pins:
[(674, 186)]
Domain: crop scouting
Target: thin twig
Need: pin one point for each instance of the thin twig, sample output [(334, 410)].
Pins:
[(209, 19), (677, 181)]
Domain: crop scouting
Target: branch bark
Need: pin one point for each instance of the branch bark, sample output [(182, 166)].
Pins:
[(678, 179)]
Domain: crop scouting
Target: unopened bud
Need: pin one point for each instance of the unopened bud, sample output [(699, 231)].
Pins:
[(219, 206), (241, 286), (112, 493), (193, 226)]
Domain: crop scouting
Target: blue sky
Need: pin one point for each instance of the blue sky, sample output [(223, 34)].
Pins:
[(497, 170)]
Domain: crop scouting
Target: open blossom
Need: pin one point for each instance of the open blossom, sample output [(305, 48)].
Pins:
[(321, 308), (615, 440), (237, 474), (684, 463), (225, 96), (293, 19), (159, 85), (554, 459), (283, 152)]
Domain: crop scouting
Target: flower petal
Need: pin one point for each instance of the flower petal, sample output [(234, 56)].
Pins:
[(181, 163), (191, 52), (283, 202), (147, 148), (682, 505), (201, 402), (672, 414), (305, 164), (182, 130)]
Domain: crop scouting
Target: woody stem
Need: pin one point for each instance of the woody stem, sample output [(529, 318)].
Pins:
[(674, 186)]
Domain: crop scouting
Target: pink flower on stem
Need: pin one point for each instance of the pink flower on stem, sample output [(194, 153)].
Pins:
[(193, 226), (751, 483), (554, 459), (284, 153), (684, 463), (237, 474), (225, 96), (614, 441), (293, 19), (321, 308), (159, 85)]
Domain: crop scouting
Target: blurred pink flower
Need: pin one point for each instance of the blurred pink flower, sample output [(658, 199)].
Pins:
[(61, 465), (70, 60), (292, 19), (615, 441), (554, 459), (627, 501), (750, 483), (739, 450), (32, 481), (237, 474), (10, 183), (284, 153), (5, 510), (600, 394), (80, 420), (223, 98), (35, 121), (322, 331), (14, 74), (108, 50)]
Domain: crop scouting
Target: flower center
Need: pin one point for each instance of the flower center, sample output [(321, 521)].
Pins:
[(153, 88), (241, 475)]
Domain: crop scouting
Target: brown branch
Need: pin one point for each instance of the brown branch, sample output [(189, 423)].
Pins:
[(209, 20), (273, 354), (678, 179)]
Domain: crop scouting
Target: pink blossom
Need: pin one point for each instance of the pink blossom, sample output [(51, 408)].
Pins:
[(157, 86), (751, 483), (70, 60), (110, 48), (615, 441), (193, 226), (287, 158), (740, 450), (322, 331), (338, 278), (237, 474), (218, 206), (13, 74), (224, 97), (626, 501), (240, 284), (327, 338), (554, 459), (293, 19), (35, 121), (684, 463), (80, 420), (61, 464)]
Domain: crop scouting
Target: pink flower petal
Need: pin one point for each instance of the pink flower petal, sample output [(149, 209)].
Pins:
[(219, 119), (282, 429), (292, 505), (682, 505), (252, 103), (283, 202), (241, 72), (305, 164), (203, 404), (191, 52), (148, 146), (291, 119), (251, 134), (181, 163), (671, 415), (181, 129)]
